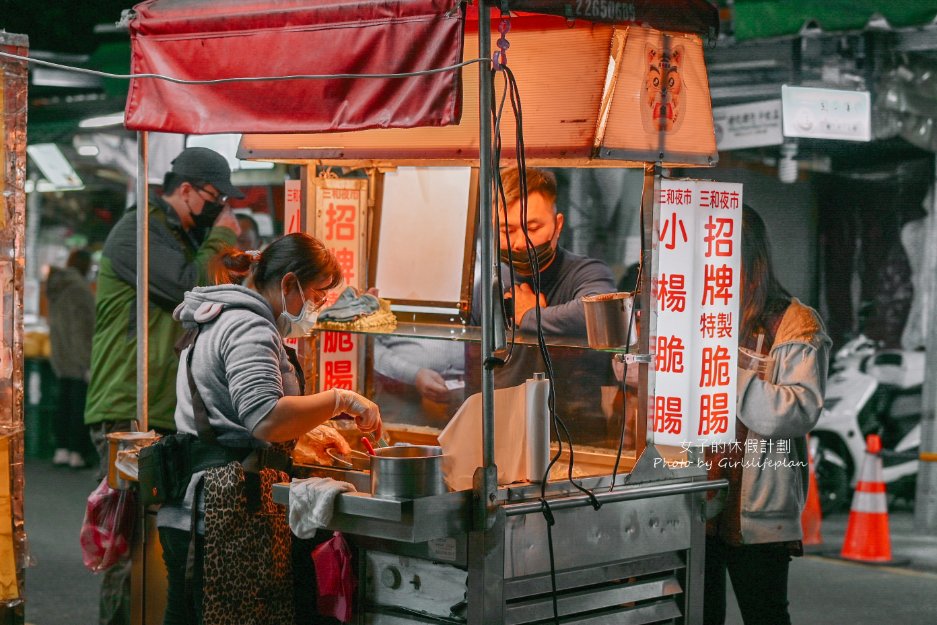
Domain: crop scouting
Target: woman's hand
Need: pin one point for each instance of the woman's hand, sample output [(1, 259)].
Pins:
[(366, 413)]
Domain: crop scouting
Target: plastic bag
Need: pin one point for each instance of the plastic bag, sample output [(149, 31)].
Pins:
[(107, 529), (335, 578)]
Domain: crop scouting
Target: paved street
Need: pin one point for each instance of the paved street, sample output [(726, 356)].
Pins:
[(59, 589), (823, 590)]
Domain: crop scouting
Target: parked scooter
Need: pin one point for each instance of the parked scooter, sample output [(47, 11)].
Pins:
[(869, 390)]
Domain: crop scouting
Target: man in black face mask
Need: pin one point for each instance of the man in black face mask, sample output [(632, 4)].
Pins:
[(189, 224), (564, 277)]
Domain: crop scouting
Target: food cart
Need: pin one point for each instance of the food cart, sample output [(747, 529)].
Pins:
[(624, 540)]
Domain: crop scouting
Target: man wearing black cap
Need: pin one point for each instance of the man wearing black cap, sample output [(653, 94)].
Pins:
[(189, 223)]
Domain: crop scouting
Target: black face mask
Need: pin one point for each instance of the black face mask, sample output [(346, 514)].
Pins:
[(210, 212), (544, 253)]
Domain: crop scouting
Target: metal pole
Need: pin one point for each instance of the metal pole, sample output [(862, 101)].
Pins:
[(925, 502), (143, 281), (489, 481)]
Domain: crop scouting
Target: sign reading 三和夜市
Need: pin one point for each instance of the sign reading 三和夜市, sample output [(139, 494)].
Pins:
[(695, 298)]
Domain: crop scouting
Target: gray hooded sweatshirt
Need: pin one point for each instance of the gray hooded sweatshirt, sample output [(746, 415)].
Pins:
[(240, 368)]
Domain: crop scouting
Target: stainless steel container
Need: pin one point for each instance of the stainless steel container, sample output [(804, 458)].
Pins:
[(407, 472), (607, 318)]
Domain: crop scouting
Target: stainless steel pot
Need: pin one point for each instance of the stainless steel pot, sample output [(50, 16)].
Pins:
[(607, 318), (407, 472)]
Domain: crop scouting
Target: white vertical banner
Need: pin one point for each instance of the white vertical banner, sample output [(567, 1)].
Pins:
[(695, 297), (718, 288), (672, 302), (341, 207)]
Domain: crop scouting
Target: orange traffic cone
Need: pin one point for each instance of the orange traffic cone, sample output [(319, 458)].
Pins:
[(812, 516), (867, 538)]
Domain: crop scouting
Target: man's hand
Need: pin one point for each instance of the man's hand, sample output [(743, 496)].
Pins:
[(524, 300), (227, 219), (431, 385)]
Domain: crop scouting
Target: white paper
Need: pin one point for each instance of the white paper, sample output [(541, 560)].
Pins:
[(461, 441)]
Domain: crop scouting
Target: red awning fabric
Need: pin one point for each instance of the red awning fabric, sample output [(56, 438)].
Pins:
[(212, 39)]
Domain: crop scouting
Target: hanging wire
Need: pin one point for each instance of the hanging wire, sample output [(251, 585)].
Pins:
[(218, 81)]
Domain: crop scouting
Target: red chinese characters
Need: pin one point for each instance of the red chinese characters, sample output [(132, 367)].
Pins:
[(338, 374), (340, 222), (715, 366), (668, 414), (715, 325), (346, 260), (669, 357), (717, 285), (718, 236), (715, 198), (713, 414), (337, 342), (668, 232), (671, 292)]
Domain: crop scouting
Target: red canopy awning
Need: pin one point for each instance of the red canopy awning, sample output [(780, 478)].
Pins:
[(211, 39)]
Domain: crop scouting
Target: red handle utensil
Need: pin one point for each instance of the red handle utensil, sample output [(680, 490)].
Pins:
[(368, 446)]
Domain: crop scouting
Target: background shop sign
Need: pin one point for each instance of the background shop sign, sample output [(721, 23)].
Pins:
[(340, 218), (826, 113), (695, 298), (750, 125)]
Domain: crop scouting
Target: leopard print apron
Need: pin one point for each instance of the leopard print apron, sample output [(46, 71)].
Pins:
[(248, 577)]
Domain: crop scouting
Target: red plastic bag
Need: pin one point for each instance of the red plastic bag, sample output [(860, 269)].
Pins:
[(335, 578), (107, 529)]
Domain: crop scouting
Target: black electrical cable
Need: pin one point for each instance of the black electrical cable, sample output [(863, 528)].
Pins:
[(558, 424), (535, 268), (499, 194)]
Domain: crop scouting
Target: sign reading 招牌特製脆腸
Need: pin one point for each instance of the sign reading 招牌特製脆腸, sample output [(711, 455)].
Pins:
[(695, 297)]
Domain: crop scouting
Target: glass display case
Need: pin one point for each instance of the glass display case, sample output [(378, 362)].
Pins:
[(420, 375)]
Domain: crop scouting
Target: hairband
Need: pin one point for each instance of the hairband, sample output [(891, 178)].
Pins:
[(254, 255)]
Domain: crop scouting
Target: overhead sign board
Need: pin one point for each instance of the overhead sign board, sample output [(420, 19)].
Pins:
[(826, 113), (750, 125)]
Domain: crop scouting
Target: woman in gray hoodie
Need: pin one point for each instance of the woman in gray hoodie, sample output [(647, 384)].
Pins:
[(238, 538), (758, 528)]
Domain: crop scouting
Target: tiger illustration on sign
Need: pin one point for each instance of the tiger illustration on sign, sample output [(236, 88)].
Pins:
[(662, 101)]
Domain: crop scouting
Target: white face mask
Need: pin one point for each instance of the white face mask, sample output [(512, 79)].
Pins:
[(295, 326)]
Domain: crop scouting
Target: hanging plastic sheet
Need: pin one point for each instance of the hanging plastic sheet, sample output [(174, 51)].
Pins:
[(199, 40)]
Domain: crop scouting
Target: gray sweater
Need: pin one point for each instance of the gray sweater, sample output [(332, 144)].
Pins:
[(240, 368), (563, 283)]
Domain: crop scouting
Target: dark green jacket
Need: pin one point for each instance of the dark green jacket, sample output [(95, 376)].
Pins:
[(177, 264)]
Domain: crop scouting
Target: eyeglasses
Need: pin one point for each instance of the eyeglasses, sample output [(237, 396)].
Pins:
[(216, 198), (319, 298)]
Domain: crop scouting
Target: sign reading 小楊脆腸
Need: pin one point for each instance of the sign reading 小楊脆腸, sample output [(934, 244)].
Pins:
[(695, 297)]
